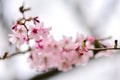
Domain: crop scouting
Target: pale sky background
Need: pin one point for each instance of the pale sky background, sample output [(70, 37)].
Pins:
[(100, 18)]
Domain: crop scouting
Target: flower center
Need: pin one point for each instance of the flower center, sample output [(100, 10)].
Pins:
[(35, 30)]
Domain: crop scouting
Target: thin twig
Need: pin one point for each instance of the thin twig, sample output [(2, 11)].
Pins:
[(14, 54), (100, 49)]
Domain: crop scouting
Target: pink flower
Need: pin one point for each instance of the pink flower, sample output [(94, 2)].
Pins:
[(25, 39), (42, 61), (50, 45), (44, 32), (34, 59), (82, 57), (19, 35), (91, 39), (38, 44), (18, 40), (64, 65), (61, 54), (20, 30), (47, 61), (81, 60), (47, 53), (34, 32), (66, 43), (38, 30)]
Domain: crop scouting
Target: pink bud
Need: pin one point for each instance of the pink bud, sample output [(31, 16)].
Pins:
[(15, 27), (91, 39)]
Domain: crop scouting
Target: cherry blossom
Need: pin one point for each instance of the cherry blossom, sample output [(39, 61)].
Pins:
[(62, 54), (48, 53), (33, 32), (20, 30), (17, 39), (19, 35), (38, 30)]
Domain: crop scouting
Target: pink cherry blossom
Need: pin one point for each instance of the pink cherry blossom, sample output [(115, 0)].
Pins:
[(50, 45), (18, 40), (42, 61), (33, 32), (38, 30), (34, 59), (20, 30), (64, 65), (48, 53), (19, 35), (63, 53), (66, 43), (44, 32)]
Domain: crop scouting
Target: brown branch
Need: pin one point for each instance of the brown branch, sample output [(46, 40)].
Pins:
[(19, 52), (5, 56), (100, 49)]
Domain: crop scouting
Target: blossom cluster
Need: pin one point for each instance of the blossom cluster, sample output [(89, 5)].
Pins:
[(47, 53)]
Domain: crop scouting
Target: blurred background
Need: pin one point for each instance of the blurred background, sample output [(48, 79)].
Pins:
[(99, 18)]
